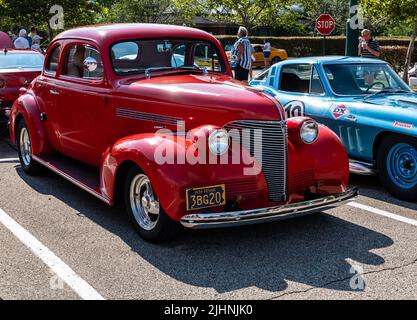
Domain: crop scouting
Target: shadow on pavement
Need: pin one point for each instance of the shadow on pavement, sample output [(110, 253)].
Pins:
[(311, 250), (6, 150), (369, 186)]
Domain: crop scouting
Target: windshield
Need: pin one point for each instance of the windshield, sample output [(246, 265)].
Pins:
[(136, 56), (20, 60), (363, 79)]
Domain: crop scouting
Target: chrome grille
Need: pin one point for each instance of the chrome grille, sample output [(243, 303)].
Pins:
[(273, 155)]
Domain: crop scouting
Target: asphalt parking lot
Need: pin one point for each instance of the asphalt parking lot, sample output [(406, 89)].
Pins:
[(365, 250)]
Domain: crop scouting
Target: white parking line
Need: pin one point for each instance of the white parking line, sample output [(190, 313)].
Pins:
[(63, 271), (9, 160), (383, 213)]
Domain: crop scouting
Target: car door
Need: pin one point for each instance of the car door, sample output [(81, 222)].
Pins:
[(47, 92), (348, 114), (84, 117), (301, 92)]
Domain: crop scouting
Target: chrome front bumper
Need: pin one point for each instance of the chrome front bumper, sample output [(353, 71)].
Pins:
[(235, 218)]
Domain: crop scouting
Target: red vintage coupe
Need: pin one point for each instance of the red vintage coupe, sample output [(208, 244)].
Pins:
[(149, 116), (17, 69)]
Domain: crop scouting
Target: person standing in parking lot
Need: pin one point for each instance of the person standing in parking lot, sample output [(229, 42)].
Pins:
[(368, 46), (21, 42), (243, 49), (267, 52)]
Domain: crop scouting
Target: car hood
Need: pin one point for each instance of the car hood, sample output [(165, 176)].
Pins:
[(390, 108), (395, 100), (204, 94)]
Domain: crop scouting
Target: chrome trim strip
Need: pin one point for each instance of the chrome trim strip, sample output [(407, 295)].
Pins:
[(361, 168), (72, 180), (151, 117), (237, 218)]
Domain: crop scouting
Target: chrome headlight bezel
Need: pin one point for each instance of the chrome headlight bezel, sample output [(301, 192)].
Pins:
[(309, 131), (219, 142)]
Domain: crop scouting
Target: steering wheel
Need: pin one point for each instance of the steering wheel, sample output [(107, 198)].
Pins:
[(373, 85)]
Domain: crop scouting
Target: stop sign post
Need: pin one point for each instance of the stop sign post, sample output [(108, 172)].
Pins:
[(325, 25)]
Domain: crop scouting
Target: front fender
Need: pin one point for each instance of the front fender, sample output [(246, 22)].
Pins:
[(27, 108), (170, 180), (324, 162)]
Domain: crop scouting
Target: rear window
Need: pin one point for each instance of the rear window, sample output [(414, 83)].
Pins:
[(20, 60)]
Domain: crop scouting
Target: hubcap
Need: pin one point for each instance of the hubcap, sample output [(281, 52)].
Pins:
[(25, 147), (143, 202), (402, 165)]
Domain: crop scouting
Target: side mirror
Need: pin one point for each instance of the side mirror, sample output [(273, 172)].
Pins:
[(90, 64)]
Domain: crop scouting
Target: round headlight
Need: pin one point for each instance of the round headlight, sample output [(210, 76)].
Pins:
[(309, 131), (218, 142)]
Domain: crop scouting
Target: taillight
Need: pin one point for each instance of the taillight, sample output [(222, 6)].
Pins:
[(2, 83)]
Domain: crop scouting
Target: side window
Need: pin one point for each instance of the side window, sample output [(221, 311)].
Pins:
[(125, 51), (316, 87), (296, 78), (52, 65), (178, 56), (205, 55), (83, 61)]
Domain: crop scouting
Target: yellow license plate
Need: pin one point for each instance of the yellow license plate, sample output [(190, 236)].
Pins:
[(206, 197)]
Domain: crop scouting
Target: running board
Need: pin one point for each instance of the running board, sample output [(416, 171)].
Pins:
[(361, 168), (83, 176)]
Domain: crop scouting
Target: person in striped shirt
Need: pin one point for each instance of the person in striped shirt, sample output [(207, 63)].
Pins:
[(243, 49), (368, 46)]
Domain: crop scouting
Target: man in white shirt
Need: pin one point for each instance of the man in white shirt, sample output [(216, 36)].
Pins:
[(21, 42)]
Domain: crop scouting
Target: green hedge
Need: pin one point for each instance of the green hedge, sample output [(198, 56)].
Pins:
[(313, 46), (395, 55)]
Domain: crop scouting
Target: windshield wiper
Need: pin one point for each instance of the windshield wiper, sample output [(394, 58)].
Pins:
[(385, 92), (150, 69)]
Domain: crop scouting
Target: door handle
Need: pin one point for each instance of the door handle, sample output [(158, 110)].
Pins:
[(54, 92)]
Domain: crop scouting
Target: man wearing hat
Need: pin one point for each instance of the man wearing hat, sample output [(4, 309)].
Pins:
[(36, 43)]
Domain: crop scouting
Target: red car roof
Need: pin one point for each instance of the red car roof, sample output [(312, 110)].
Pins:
[(124, 31)]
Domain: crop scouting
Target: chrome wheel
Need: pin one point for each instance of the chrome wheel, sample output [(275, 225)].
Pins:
[(25, 147), (143, 202)]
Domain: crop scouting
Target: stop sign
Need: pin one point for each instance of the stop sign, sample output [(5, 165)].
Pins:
[(325, 24)]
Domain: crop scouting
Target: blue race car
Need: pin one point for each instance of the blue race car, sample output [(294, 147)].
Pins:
[(365, 103)]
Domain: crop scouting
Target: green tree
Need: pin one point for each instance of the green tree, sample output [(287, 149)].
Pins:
[(149, 11), (27, 13), (338, 9), (395, 12), (249, 13)]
